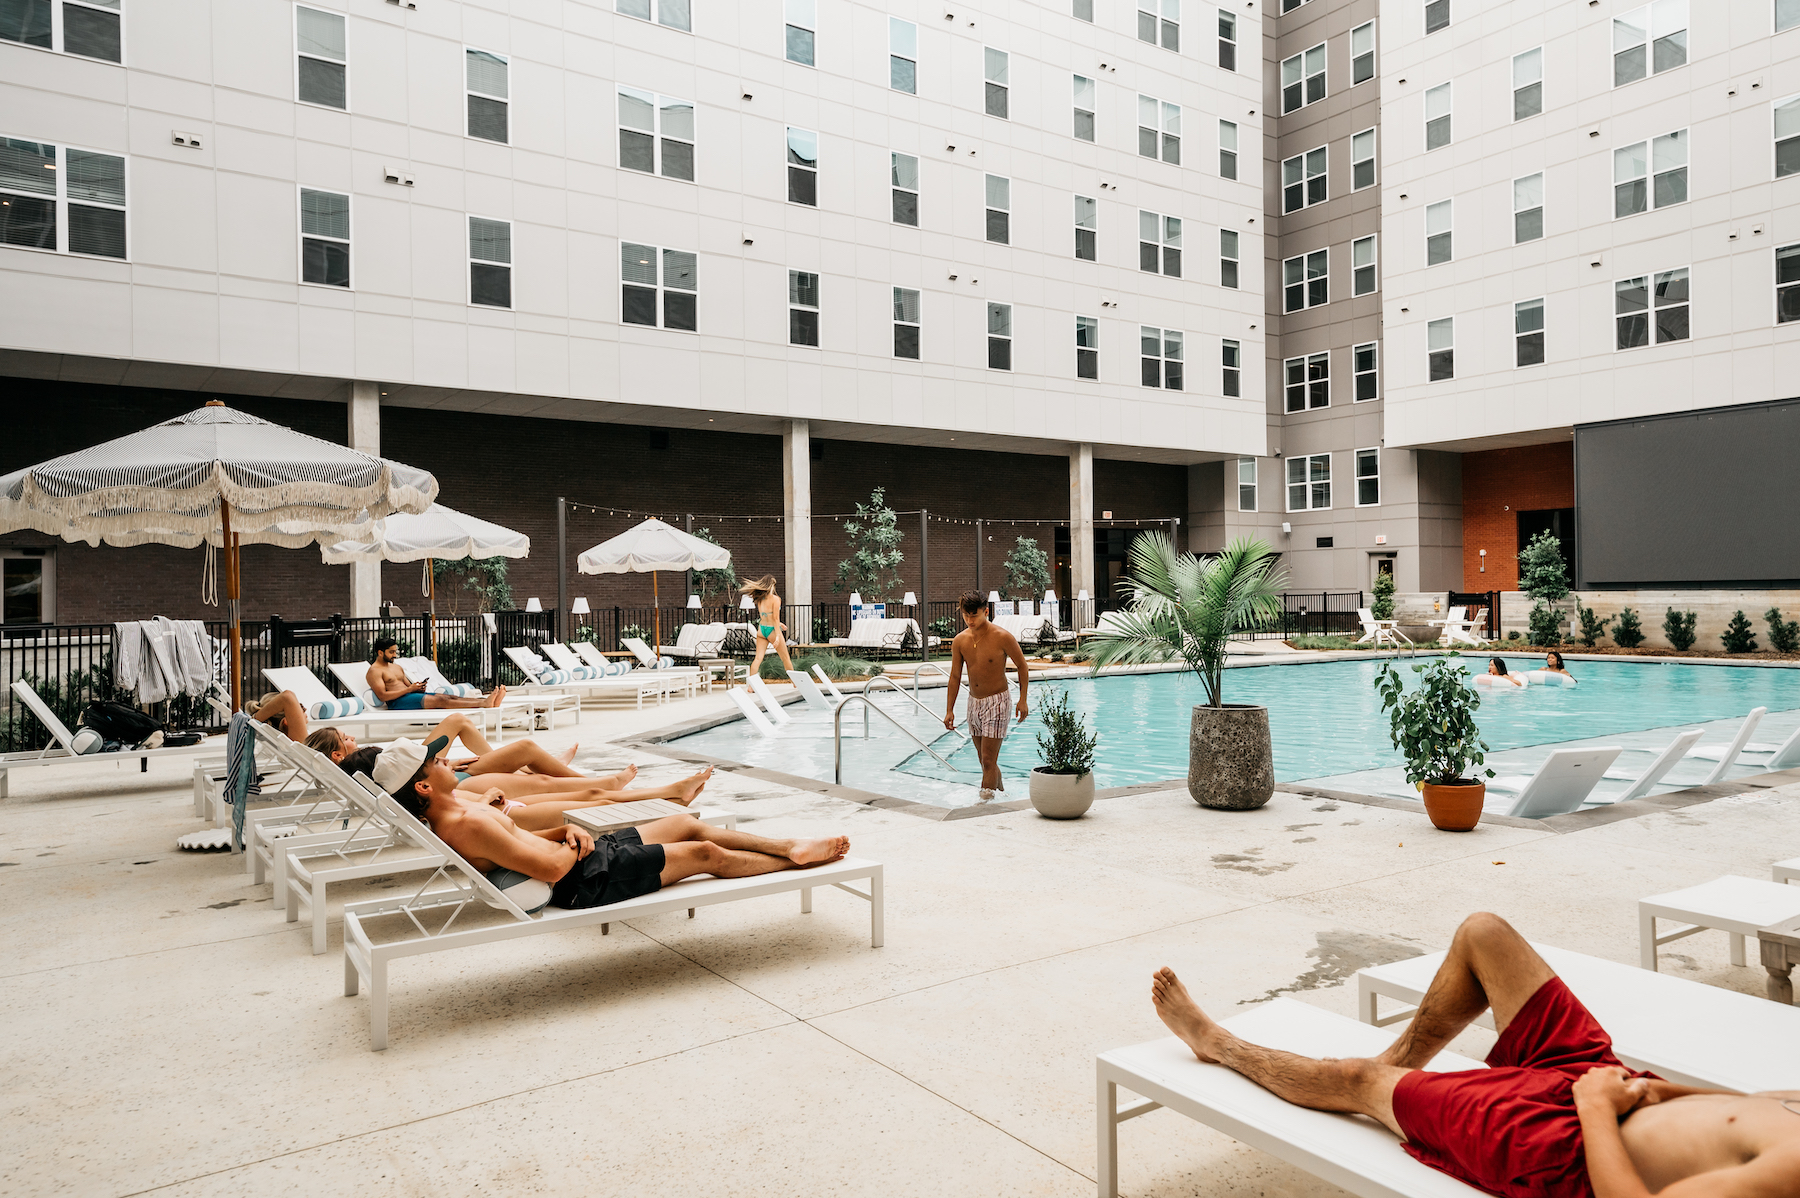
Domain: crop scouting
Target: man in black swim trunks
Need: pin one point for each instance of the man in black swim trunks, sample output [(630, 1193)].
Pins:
[(583, 871)]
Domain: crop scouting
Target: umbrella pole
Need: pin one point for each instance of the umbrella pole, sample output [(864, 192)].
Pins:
[(656, 616), (431, 585), (231, 605)]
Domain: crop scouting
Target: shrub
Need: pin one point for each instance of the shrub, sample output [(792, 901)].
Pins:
[(1327, 643), (835, 667), (1542, 573), (1592, 627), (1066, 744), (1546, 625), (1628, 630), (822, 631), (944, 626), (1383, 606), (1784, 635), (1513, 635), (1739, 637), (1679, 628), (1433, 725)]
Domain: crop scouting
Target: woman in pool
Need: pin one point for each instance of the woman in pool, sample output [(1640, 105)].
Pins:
[(1553, 664), (769, 629), (1497, 669)]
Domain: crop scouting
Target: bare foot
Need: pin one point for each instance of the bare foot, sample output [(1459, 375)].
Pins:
[(1178, 1010), (689, 788), (626, 776), (567, 755), (819, 852), (499, 693)]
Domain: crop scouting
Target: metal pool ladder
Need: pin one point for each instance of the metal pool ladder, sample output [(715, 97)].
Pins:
[(837, 734)]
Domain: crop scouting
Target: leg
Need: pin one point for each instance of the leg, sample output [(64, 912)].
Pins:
[(987, 750), (461, 727), (1106, 1137), (543, 792), (522, 755), (1737, 948), (1646, 939), (755, 670), (684, 829), (455, 702), (782, 648), (1488, 965)]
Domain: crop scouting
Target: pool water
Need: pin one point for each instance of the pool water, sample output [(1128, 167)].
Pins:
[(1325, 719)]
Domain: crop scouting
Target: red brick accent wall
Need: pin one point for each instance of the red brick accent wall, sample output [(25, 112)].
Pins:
[(1497, 484)]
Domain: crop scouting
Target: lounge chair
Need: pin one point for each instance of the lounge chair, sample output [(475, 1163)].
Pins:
[(525, 709), (1355, 1153), (637, 684), (1739, 907), (432, 913), (826, 682), (1685, 1031), (809, 690), (753, 715), (688, 676), (1665, 761), (375, 722), (696, 641), (1380, 632), (1561, 784), (770, 703), (608, 667), (61, 750), (1784, 756), (1033, 630), (874, 635)]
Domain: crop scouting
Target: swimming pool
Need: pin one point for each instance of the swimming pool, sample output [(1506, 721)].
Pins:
[(1325, 719)]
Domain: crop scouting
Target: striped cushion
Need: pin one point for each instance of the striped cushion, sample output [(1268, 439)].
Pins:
[(553, 677), (583, 673), (331, 709), (461, 690)]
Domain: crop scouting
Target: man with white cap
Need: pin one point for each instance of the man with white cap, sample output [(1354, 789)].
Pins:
[(580, 870)]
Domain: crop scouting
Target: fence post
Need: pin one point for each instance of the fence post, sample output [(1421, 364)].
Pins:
[(562, 562), (924, 579)]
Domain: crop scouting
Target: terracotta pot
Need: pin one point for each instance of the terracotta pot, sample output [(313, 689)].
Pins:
[(1454, 807), (1061, 796), (1231, 765)]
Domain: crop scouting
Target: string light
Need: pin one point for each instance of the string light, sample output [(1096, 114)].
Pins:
[(1058, 521)]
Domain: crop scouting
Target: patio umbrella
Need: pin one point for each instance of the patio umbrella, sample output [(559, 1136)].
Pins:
[(438, 532), (214, 476), (650, 547)]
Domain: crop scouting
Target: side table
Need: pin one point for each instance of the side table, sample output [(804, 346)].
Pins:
[(1780, 953)]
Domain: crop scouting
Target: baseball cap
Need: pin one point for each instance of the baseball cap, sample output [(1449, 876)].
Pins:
[(402, 759)]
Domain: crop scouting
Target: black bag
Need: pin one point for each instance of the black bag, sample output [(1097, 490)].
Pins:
[(181, 740), (115, 721)]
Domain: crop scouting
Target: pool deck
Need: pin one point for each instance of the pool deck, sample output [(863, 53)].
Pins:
[(168, 1033)]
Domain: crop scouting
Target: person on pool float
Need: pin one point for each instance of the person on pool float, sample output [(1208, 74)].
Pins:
[(582, 870), (399, 693), (1553, 664), (1556, 1113), (1497, 669)]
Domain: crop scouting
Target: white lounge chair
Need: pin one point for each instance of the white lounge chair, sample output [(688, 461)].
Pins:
[(1462, 631), (826, 682), (1665, 761), (1561, 784), (536, 709), (637, 684), (688, 676), (809, 690), (740, 698), (61, 750), (1739, 907), (375, 722), (1686, 1031), (432, 913), (1355, 1153), (1380, 632), (1784, 756), (770, 703), (695, 641), (880, 635)]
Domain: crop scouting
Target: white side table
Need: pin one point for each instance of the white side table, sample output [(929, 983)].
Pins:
[(1738, 906), (1786, 871)]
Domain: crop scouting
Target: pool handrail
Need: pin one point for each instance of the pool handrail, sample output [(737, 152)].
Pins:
[(927, 665), (837, 735), (895, 687)]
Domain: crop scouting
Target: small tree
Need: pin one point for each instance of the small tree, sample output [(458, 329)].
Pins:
[(711, 583), (1027, 570), (1546, 625), (873, 567), (1739, 636), (1628, 632), (1383, 606), (484, 578), (1065, 743), (1592, 627), (1433, 725), (1784, 635), (1542, 571), (1678, 626)]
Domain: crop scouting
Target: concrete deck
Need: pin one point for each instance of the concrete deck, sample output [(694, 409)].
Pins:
[(167, 1032)]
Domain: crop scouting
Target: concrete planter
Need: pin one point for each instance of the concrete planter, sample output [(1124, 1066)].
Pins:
[(1061, 796), (1455, 807), (1231, 765)]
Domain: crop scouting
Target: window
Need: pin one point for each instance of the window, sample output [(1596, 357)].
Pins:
[(903, 57), (1159, 244), (89, 28), (1362, 266), (905, 170), (642, 116), (324, 238), (1303, 180), (1084, 10), (1437, 15), (1169, 25), (1307, 382), (1160, 357), (906, 323), (1087, 227), (319, 40), (999, 209), (1528, 83), (1227, 40), (1528, 332), (1228, 147), (1363, 371), (1305, 280), (1362, 160), (1246, 484), (28, 581), (802, 27), (676, 14), (1787, 14), (485, 75), (1633, 305), (1437, 117), (1787, 135), (1291, 5), (1157, 117), (996, 69), (1084, 108), (1649, 40), (1438, 218), (1303, 79), (1228, 258), (803, 308), (62, 199), (1309, 482), (1087, 347), (490, 262), (1787, 284), (1652, 172), (802, 167), (1528, 209), (1440, 349), (1362, 53), (1231, 357), (674, 290), (1368, 477), (999, 336)]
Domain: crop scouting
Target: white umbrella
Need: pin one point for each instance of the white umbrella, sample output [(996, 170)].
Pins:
[(650, 547)]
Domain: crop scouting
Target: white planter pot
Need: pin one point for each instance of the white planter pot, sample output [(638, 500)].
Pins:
[(1061, 796)]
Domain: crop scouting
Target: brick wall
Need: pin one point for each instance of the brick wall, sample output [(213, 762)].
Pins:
[(1497, 484)]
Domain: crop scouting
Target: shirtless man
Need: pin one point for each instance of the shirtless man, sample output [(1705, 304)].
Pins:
[(583, 871), (1555, 1114), (398, 693), (985, 648)]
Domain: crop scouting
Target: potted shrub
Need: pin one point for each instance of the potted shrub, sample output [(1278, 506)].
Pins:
[(1063, 787), (1434, 726), (1185, 608)]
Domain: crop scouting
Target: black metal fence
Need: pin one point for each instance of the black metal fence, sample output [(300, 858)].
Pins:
[(1481, 599)]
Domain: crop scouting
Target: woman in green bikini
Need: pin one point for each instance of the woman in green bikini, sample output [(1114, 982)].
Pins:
[(769, 629)]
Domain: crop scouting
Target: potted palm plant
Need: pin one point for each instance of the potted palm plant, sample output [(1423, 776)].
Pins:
[(1187, 608), (1434, 726), (1063, 787)]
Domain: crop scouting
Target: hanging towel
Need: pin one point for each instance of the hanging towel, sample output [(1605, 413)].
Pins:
[(191, 651), (240, 771), (161, 658)]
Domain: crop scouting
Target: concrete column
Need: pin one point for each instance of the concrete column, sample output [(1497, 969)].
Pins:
[(796, 498), (1081, 524), (365, 436)]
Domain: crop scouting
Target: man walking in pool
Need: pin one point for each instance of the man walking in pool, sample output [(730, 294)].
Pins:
[(399, 693), (985, 648)]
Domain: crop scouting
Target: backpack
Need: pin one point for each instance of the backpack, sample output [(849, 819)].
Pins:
[(117, 722)]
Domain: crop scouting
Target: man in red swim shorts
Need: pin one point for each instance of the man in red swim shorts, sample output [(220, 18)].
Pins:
[(1554, 1114)]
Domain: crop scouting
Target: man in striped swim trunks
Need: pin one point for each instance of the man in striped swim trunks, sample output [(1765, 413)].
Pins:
[(985, 648)]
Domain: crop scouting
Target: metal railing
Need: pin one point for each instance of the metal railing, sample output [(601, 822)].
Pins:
[(837, 735)]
